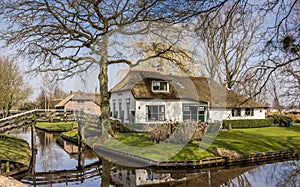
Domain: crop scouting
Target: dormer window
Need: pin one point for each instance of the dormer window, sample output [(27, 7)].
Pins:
[(160, 86)]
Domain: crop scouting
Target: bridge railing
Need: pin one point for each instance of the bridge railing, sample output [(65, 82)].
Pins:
[(54, 115), (17, 120)]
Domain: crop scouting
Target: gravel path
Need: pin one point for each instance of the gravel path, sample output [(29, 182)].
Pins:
[(10, 182)]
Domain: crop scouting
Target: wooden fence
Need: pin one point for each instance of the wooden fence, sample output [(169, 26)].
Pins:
[(17, 120), (64, 176), (32, 116)]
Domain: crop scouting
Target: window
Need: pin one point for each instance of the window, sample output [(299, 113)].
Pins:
[(160, 86), (155, 113), (80, 102), (128, 108), (236, 112), (193, 112), (249, 112), (114, 112), (120, 108), (186, 113)]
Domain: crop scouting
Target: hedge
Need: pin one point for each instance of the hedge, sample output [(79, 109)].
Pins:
[(281, 120), (248, 123)]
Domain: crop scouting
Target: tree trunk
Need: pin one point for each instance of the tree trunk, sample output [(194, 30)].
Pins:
[(103, 79), (104, 105), (106, 169)]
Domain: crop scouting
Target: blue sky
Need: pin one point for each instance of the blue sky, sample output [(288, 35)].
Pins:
[(75, 83)]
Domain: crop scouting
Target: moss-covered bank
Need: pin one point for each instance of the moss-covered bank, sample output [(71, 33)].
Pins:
[(56, 126), (14, 149)]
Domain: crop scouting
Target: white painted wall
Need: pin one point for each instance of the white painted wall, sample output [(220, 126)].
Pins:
[(120, 97), (173, 109), (217, 114)]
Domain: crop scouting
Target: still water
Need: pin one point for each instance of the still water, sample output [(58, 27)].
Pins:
[(56, 154)]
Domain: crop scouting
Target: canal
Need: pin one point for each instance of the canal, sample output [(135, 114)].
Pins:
[(59, 163)]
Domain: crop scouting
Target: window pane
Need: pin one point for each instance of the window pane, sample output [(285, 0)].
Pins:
[(155, 112), (162, 109), (163, 86), (186, 117), (236, 112), (154, 109), (159, 85)]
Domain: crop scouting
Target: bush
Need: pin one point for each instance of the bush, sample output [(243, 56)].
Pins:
[(248, 123), (117, 126), (281, 120)]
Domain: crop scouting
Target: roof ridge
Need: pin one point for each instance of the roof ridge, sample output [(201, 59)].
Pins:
[(167, 74)]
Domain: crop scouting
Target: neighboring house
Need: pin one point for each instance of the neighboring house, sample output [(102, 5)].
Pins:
[(80, 101), (153, 97)]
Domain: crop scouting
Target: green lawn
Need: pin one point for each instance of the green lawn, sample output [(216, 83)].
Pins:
[(243, 141), (72, 134), (14, 149), (258, 139), (57, 126)]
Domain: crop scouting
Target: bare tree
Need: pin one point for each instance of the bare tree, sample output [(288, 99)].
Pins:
[(12, 86), (50, 90), (280, 45), (228, 37), (73, 36)]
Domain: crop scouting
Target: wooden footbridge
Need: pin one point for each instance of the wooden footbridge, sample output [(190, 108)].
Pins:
[(93, 170), (63, 176), (26, 118)]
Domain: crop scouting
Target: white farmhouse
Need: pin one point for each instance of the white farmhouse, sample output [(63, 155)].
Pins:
[(153, 97)]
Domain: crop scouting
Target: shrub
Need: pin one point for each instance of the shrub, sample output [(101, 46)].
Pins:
[(248, 123), (178, 132), (281, 120), (117, 126)]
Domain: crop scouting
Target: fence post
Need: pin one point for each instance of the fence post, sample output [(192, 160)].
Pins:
[(33, 146), (80, 121), (7, 167)]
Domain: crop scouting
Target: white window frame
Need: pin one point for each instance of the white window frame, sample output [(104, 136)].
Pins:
[(160, 87), (161, 113)]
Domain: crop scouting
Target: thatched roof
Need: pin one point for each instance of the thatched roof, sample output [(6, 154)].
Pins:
[(201, 89), (82, 96)]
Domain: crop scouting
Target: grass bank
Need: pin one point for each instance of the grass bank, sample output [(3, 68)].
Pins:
[(14, 149), (72, 134), (56, 126), (243, 141)]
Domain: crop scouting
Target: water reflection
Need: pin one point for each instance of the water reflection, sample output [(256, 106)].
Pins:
[(276, 174), (56, 154)]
